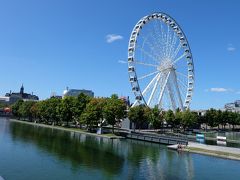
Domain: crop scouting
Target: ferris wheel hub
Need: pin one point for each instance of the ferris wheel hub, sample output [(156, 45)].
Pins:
[(166, 65)]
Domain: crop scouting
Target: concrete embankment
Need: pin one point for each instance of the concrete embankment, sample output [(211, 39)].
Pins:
[(109, 136), (218, 151)]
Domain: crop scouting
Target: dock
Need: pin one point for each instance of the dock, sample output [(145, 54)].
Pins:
[(169, 140)]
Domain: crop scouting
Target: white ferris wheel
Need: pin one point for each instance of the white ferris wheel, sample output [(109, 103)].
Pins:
[(160, 63)]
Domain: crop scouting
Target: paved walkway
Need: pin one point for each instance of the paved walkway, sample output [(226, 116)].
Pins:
[(214, 148), (218, 151)]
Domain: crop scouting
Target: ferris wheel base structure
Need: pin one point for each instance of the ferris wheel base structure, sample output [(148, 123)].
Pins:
[(160, 63)]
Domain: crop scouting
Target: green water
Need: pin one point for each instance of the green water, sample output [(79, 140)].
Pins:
[(32, 152)]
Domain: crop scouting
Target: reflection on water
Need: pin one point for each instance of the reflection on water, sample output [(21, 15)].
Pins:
[(45, 153), (228, 135)]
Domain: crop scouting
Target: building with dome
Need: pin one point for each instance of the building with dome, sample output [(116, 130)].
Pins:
[(76, 92)]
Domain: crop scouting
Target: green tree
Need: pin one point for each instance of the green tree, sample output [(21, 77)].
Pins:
[(66, 109), (136, 115), (237, 119), (2, 105), (15, 109), (233, 119), (189, 119), (92, 114), (178, 118), (170, 118), (51, 109), (25, 109), (211, 117), (114, 110), (80, 104), (41, 111), (156, 118), (35, 110), (219, 118), (225, 119)]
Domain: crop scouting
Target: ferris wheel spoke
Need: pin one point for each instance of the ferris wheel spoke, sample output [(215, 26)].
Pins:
[(135, 103), (146, 64), (177, 50), (161, 41), (183, 75), (147, 75), (183, 92), (171, 96), (182, 83), (158, 39), (179, 58), (153, 90), (177, 89), (152, 46), (168, 42), (163, 89), (148, 54), (182, 89), (156, 44), (150, 84), (173, 44)]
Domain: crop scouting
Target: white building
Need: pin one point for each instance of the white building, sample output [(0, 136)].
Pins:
[(76, 92)]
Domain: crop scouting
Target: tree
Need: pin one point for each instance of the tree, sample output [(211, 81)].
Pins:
[(136, 115), (15, 108), (170, 117), (188, 119), (41, 111), (114, 110), (156, 118), (219, 118), (66, 109), (233, 119), (51, 109), (80, 104), (25, 109), (237, 119), (35, 110), (178, 118), (211, 117), (92, 114)]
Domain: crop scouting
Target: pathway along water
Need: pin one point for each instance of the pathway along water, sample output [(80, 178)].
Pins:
[(29, 152)]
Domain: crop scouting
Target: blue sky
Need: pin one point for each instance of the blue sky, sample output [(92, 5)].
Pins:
[(50, 44)]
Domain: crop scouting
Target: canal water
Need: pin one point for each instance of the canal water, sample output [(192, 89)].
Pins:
[(32, 152)]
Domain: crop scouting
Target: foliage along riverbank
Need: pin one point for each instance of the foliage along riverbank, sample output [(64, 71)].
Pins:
[(91, 113)]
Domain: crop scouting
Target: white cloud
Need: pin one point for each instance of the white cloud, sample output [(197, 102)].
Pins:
[(122, 62), (231, 48), (113, 37), (219, 90)]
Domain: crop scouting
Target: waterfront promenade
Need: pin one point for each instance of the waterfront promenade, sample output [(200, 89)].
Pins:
[(219, 151), (211, 150)]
